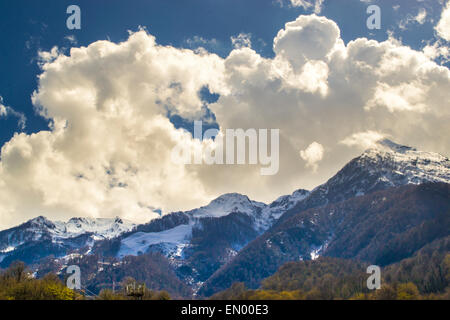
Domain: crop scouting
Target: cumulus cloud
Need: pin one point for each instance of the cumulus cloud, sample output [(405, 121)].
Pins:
[(312, 155), (108, 151), (309, 38), (443, 27)]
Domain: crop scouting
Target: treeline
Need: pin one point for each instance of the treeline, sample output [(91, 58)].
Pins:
[(424, 276), (19, 283)]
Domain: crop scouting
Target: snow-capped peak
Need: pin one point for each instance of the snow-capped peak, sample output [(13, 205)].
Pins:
[(386, 165), (41, 222), (400, 164), (100, 228), (226, 204), (389, 145)]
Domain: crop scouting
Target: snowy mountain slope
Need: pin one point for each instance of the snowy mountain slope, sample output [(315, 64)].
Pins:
[(200, 241), (174, 235), (385, 166), (80, 232), (105, 228), (272, 212), (40, 237), (174, 239), (399, 165), (226, 204), (261, 218)]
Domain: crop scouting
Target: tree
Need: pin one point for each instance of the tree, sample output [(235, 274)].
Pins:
[(407, 291)]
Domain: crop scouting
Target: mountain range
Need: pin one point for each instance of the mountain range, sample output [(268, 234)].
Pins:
[(380, 208)]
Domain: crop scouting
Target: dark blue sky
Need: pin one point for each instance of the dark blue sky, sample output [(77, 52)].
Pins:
[(28, 26)]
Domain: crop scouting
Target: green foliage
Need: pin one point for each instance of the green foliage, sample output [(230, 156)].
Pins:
[(407, 291), (151, 268), (124, 294), (424, 276), (17, 283), (325, 278)]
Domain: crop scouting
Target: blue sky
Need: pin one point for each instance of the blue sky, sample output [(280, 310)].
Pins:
[(29, 26)]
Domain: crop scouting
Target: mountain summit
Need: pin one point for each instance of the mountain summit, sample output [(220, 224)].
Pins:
[(226, 204), (400, 165)]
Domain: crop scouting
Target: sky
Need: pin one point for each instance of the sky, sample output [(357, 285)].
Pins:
[(88, 117)]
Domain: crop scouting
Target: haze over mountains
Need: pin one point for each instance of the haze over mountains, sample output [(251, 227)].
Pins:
[(383, 206)]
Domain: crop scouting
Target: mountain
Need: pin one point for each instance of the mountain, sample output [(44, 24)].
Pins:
[(236, 239), (389, 165), (40, 237), (197, 242), (380, 228), (385, 166)]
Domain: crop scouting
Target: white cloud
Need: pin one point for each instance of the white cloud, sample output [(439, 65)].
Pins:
[(242, 40), (108, 151), (48, 56), (419, 18), (8, 111), (405, 97), (197, 41), (305, 39), (364, 140), (71, 39), (2, 110), (443, 26), (316, 5), (437, 51), (312, 155)]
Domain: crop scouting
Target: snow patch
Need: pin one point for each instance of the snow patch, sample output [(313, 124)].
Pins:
[(8, 249), (139, 242)]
